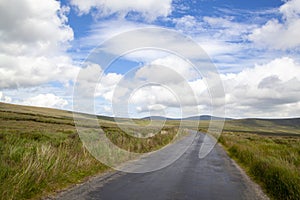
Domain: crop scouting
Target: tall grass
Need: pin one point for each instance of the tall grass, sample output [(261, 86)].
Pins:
[(42, 153), (140, 145), (34, 164), (274, 162)]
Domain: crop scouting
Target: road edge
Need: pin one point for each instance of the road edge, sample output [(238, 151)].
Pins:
[(251, 183), (84, 187)]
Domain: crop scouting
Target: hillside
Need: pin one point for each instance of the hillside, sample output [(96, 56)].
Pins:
[(41, 151), (192, 118), (288, 127)]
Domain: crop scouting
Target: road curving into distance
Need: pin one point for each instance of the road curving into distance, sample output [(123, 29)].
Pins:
[(214, 177)]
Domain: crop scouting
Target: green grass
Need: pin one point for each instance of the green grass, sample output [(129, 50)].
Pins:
[(40, 151), (140, 145), (36, 163), (269, 151), (267, 127), (272, 161)]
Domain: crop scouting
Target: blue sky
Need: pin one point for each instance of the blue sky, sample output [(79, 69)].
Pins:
[(250, 12), (253, 44), (253, 13)]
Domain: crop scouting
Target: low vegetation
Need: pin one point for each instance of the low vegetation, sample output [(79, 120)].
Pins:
[(140, 145), (272, 161), (40, 150), (266, 127), (34, 163), (269, 151)]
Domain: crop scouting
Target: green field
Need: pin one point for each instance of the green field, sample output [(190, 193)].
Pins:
[(41, 151), (266, 127), (269, 151), (272, 161)]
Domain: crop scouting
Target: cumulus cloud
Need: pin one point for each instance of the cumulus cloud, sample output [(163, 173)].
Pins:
[(94, 82), (27, 71), (155, 107), (33, 27), (179, 65), (283, 34), (45, 100), (4, 98), (268, 90), (150, 9), (164, 84), (149, 97), (34, 36)]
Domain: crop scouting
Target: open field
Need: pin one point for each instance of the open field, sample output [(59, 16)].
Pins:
[(266, 127), (280, 127), (40, 150), (269, 151), (272, 161)]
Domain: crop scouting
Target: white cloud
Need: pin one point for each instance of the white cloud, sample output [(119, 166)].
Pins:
[(34, 36), (33, 27), (222, 38), (216, 48), (107, 85), (152, 95), (223, 52), (100, 32), (4, 98), (266, 90), (168, 70), (31, 56), (165, 84), (226, 27), (93, 82), (27, 71), (45, 100), (187, 23), (106, 30), (150, 9), (290, 9), (282, 34)]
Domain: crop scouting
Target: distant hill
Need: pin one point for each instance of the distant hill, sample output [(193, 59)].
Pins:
[(288, 122), (284, 127), (34, 112), (20, 113), (201, 117), (295, 122), (206, 117), (156, 118)]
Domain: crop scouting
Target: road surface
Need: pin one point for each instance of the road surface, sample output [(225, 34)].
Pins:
[(214, 177)]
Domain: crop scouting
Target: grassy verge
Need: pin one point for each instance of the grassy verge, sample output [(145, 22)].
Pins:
[(274, 162), (40, 151), (140, 145), (35, 163)]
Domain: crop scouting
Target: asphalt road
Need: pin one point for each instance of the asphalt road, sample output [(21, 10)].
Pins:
[(214, 177)]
